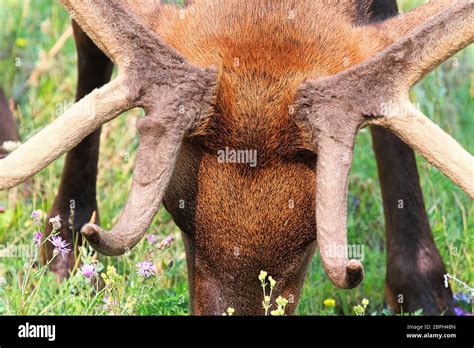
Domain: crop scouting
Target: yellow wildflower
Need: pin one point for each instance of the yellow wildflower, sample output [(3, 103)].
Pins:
[(21, 42), (329, 302), (272, 281)]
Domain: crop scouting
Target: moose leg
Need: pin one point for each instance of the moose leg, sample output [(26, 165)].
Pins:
[(8, 130), (414, 277), (77, 190)]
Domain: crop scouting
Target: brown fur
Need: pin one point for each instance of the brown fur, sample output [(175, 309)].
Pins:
[(8, 131)]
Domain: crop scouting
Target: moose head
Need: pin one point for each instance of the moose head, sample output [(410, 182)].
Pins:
[(298, 99)]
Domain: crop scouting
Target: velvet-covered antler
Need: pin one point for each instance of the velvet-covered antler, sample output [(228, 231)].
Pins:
[(376, 92), (152, 75)]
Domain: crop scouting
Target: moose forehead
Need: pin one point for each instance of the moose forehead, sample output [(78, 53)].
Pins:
[(262, 58)]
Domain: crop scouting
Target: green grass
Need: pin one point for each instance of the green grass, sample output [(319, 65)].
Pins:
[(446, 95)]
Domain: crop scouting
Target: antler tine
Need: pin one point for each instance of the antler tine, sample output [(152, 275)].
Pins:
[(101, 21), (390, 73), (112, 27), (87, 115), (156, 155), (436, 146), (431, 43), (122, 35), (332, 172), (333, 126), (396, 27), (405, 63)]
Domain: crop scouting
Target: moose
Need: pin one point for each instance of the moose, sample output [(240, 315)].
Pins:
[(293, 80)]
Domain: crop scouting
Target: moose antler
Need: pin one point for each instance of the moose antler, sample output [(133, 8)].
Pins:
[(85, 116), (376, 93), (152, 75)]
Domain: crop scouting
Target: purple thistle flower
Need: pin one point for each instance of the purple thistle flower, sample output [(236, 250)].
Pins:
[(168, 240), (146, 269), (60, 245), (459, 312), (152, 239), (55, 222), (89, 271), (463, 297), (165, 243), (37, 237), (36, 216)]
